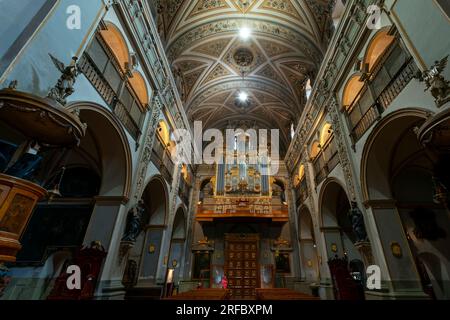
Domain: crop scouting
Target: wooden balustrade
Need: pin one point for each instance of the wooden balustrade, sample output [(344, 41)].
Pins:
[(242, 208), (392, 90), (162, 159)]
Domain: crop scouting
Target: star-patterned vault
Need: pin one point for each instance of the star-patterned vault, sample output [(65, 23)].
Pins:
[(212, 64)]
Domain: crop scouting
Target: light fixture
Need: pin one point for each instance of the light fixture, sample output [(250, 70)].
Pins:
[(243, 96), (245, 33)]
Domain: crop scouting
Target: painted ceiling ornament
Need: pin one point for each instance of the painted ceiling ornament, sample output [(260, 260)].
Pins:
[(217, 63), (243, 57)]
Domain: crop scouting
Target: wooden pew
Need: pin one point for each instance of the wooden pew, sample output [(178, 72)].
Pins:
[(282, 294), (203, 294)]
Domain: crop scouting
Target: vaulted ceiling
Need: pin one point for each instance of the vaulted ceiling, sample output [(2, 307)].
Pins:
[(212, 64)]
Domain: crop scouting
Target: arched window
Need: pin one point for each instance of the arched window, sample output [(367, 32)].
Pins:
[(324, 154), (139, 86), (164, 132), (116, 42), (376, 49), (107, 64), (386, 70)]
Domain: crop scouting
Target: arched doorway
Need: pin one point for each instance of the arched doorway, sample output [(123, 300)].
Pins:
[(339, 240), (177, 242), (399, 186), (336, 226), (82, 180), (308, 246), (155, 199)]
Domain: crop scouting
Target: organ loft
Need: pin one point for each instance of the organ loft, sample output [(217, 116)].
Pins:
[(333, 185)]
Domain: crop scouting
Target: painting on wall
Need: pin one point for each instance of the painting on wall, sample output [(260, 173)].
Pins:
[(282, 263), (202, 265), (65, 227)]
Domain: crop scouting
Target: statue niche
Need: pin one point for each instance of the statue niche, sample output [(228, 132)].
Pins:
[(357, 220), (135, 224)]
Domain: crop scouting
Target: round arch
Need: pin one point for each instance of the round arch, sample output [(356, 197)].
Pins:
[(305, 223), (314, 150), (117, 43), (351, 90), (308, 248), (164, 132), (179, 223), (113, 149), (331, 190), (397, 180), (139, 86), (378, 45), (378, 149), (156, 199), (326, 133)]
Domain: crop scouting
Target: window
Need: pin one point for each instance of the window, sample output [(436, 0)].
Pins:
[(391, 69), (19, 19), (103, 69)]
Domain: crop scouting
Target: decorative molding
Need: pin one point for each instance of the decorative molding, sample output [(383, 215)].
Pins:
[(144, 161)]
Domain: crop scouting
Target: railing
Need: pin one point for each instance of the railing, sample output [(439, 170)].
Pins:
[(98, 81), (398, 83), (162, 160), (240, 208), (301, 192), (183, 192), (383, 101), (325, 161)]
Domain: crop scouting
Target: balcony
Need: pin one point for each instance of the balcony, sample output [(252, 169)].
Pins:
[(388, 81), (325, 161), (162, 159), (301, 192), (242, 207), (121, 111), (183, 192)]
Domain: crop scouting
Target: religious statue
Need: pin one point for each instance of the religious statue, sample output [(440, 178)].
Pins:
[(435, 81), (134, 222), (357, 220), (64, 86)]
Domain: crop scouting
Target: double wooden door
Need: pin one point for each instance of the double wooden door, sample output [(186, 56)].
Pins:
[(241, 264)]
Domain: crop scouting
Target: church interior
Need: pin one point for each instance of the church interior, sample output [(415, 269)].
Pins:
[(331, 180)]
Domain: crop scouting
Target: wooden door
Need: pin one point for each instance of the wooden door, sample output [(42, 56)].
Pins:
[(241, 264)]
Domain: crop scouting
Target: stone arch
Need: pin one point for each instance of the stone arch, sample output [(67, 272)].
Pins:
[(308, 246), (118, 45), (352, 89), (398, 183), (376, 153), (378, 45), (109, 144), (139, 86), (156, 200)]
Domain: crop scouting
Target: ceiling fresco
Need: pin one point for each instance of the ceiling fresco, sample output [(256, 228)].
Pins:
[(214, 61)]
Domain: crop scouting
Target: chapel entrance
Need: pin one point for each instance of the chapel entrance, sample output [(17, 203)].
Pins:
[(241, 264)]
